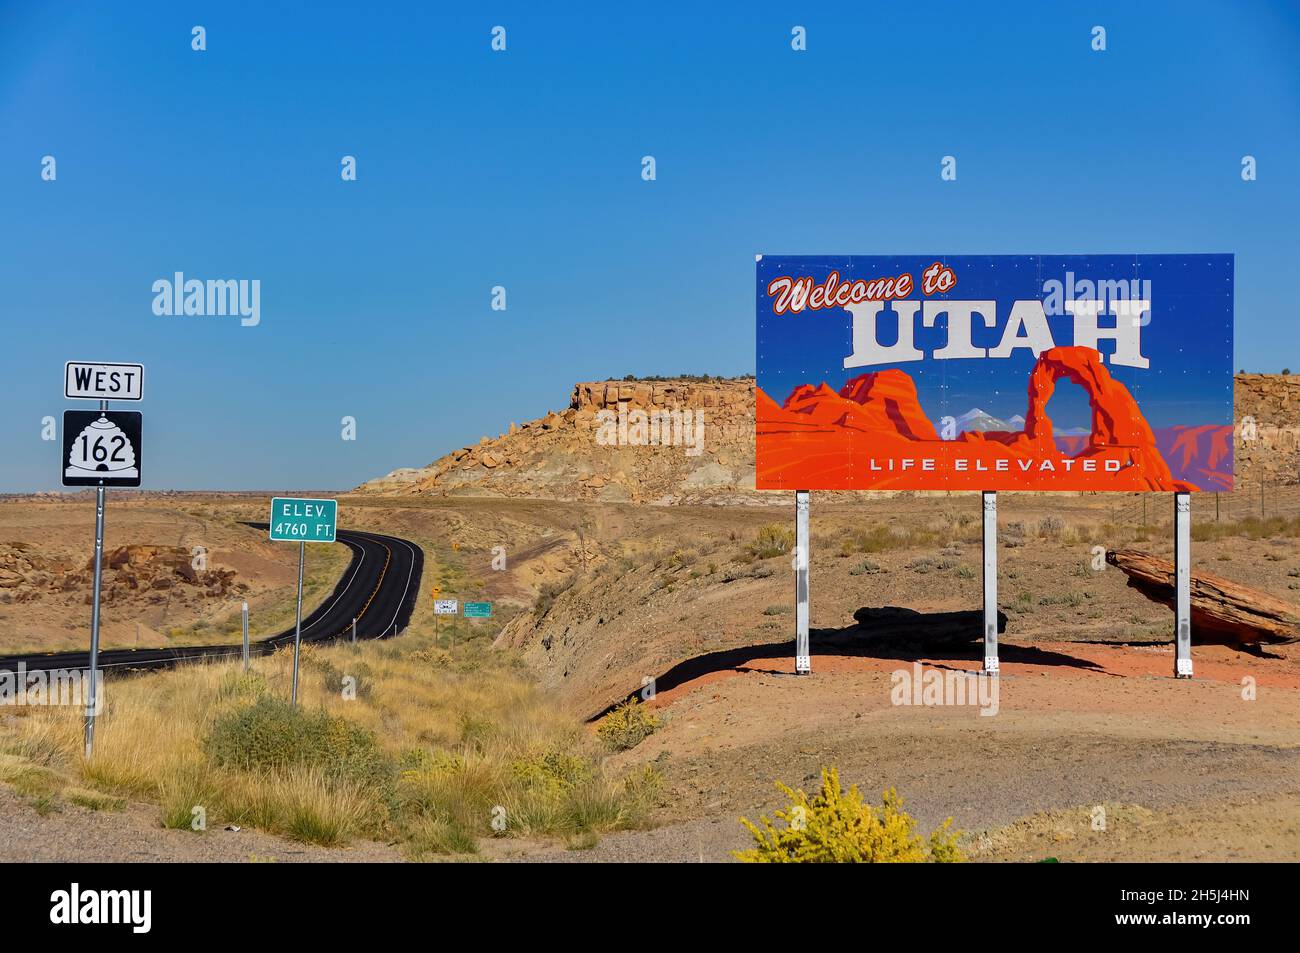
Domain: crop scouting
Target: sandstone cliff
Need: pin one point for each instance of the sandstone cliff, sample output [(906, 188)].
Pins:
[(669, 441), (1266, 436)]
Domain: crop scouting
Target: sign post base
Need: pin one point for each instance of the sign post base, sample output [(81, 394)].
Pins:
[(1182, 585), (802, 653), (990, 582)]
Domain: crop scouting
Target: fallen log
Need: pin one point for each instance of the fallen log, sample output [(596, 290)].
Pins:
[(1223, 612)]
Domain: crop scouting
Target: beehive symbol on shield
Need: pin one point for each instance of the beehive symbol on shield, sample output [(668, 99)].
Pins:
[(101, 445)]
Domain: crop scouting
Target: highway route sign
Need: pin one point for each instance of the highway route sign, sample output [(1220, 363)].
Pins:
[(95, 380), (478, 610), (101, 446), (296, 520)]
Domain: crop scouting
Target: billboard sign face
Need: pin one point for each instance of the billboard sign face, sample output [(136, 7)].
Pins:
[(995, 372)]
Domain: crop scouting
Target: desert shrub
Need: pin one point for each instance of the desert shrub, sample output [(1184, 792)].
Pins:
[(95, 800), (780, 608), (547, 594), (866, 568), (236, 683), (1023, 602), (644, 789), (271, 735), (436, 835), (771, 540), (878, 539), (627, 726), (477, 733), (552, 771), (837, 826), (1051, 527), (1252, 527), (558, 793), (927, 564), (454, 786), (682, 557)]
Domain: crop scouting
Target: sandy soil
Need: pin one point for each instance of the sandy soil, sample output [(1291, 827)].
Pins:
[(133, 835)]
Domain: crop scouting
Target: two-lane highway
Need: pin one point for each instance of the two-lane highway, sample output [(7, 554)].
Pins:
[(378, 589)]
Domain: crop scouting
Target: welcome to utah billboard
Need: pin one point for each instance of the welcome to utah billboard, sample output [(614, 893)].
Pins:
[(995, 372)]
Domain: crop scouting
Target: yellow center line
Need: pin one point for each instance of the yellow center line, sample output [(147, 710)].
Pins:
[(388, 558)]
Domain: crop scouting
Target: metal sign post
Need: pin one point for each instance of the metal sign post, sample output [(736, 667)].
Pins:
[(354, 631), (443, 607), (100, 450), (92, 699), (802, 652), (301, 520), (990, 582), (245, 613), (297, 626), (1182, 585)]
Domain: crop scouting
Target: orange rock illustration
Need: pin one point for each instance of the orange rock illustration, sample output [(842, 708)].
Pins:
[(873, 434)]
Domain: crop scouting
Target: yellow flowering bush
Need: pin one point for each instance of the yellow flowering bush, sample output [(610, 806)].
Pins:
[(837, 826)]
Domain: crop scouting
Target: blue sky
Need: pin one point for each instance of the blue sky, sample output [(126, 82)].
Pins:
[(522, 169)]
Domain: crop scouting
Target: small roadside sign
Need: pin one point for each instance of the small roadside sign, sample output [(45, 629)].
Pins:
[(446, 606), (295, 520), (101, 447), (478, 610), (302, 521), (94, 380)]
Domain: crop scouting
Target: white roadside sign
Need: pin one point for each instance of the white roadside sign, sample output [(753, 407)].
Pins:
[(94, 380), (445, 606)]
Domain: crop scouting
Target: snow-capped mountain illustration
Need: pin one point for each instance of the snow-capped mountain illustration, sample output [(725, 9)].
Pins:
[(977, 419)]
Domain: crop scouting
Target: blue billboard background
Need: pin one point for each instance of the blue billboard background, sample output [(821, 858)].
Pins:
[(1188, 340)]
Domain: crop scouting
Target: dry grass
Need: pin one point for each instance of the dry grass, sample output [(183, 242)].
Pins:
[(453, 748)]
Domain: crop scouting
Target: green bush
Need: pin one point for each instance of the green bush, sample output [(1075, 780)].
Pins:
[(272, 735)]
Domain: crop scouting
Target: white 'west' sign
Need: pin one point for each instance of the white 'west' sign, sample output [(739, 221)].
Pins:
[(91, 380)]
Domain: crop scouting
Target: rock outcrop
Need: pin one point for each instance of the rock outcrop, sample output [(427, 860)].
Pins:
[(1266, 435), (676, 440), (145, 573)]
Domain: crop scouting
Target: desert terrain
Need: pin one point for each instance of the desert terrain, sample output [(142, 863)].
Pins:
[(611, 572)]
